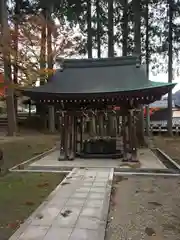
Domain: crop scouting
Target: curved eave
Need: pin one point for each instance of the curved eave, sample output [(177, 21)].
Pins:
[(158, 89)]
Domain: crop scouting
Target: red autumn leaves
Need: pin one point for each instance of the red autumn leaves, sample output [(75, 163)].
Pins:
[(2, 88), (14, 225)]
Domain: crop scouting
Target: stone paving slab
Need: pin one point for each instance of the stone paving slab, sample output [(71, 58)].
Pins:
[(56, 233), (76, 210)]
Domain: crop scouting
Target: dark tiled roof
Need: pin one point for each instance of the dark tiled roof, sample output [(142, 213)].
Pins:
[(98, 76)]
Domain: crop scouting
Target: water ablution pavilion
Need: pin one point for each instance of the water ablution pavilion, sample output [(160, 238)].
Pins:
[(97, 101)]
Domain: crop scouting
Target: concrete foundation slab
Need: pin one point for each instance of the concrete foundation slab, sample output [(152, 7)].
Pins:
[(146, 157)]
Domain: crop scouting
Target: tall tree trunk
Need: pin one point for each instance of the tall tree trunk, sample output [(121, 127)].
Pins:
[(137, 43), (125, 52), (125, 28), (16, 31), (137, 26), (40, 109), (51, 112), (16, 39), (11, 116), (98, 29), (89, 48), (170, 68), (110, 29), (147, 63), (111, 127), (49, 41), (98, 34), (43, 48), (89, 29)]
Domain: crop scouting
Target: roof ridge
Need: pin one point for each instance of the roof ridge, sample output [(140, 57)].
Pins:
[(99, 62)]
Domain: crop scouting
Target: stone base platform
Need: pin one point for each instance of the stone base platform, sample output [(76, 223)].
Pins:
[(147, 159)]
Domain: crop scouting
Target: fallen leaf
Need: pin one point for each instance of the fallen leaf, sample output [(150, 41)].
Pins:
[(40, 185), (66, 213), (150, 231), (65, 183), (155, 204), (13, 225), (39, 216), (29, 203), (68, 177)]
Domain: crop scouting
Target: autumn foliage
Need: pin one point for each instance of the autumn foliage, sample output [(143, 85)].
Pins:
[(26, 57), (3, 87)]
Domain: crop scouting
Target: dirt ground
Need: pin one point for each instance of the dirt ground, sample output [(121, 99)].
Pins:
[(171, 146), (144, 208), (19, 149)]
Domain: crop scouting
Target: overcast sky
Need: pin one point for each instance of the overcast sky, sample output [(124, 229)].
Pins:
[(164, 78)]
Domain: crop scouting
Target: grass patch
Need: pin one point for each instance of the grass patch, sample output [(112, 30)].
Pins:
[(20, 195), (19, 149)]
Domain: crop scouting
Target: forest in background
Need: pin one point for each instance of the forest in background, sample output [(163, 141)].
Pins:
[(35, 32)]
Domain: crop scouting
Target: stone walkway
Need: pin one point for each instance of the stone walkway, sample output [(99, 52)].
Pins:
[(76, 210)]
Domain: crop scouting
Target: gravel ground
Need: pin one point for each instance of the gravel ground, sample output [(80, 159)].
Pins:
[(144, 208), (169, 145)]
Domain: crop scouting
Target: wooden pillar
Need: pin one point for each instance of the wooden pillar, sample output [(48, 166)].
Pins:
[(101, 125), (105, 124), (59, 124), (120, 124), (29, 105), (110, 125), (62, 138), (75, 134), (124, 137), (81, 133), (147, 121), (78, 148), (93, 126), (71, 137), (127, 133), (51, 120), (66, 139), (130, 129), (134, 138), (115, 125)]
